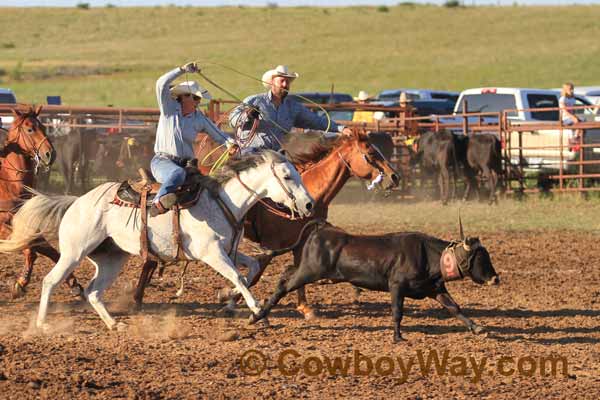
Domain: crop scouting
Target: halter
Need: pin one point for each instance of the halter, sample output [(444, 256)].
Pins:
[(453, 266), (267, 205)]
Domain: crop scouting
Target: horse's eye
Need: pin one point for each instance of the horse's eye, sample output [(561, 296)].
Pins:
[(29, 130), (287, 178)]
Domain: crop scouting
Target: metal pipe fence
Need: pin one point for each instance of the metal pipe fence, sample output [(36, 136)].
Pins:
[(532, 152)]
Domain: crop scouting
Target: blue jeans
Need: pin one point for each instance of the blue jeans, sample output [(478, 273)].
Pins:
[(169, 174)]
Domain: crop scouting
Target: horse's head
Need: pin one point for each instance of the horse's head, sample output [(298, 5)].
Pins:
[(284, 185), (29, 134), (365, 160)]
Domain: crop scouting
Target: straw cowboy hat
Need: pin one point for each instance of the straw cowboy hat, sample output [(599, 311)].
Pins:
[(190, 87), (404, 98), (362, 96), (281, 70)]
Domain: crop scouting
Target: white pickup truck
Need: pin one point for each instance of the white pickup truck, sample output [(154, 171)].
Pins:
[(7, 97), (525, 101)]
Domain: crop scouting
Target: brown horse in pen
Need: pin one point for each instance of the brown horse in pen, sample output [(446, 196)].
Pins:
[(25, 149), (325, 165)]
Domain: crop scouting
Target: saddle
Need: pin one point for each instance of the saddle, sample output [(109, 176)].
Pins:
[(140, 193), (131, 193)]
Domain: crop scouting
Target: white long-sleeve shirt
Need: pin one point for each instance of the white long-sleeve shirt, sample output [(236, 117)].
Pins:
[(176, 133)]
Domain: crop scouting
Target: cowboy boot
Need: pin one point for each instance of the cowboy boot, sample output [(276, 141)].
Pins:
[(164, 204)]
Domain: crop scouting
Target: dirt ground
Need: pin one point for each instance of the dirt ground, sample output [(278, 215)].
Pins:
[(547, 305)]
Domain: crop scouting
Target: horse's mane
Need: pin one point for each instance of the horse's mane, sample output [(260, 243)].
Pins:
[(236, 166), (309, 146)]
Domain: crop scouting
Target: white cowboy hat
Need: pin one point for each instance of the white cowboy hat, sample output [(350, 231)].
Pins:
[(281, 70), (362, 96), (190, 87), (404, 98)]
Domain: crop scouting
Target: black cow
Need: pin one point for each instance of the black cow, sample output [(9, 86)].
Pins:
[(406, 264), (483, 157), (436, 154)]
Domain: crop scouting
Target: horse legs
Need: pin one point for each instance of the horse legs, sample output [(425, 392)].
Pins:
[(256, 267), (65, 266), (51, 253), (30, 255), (18, 290), (293, 278), (444, 183), (220, 262), (493, 182), (145, 277), (108, 265)]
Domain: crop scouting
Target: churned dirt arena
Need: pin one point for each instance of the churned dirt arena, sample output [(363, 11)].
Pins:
[(543, 335)]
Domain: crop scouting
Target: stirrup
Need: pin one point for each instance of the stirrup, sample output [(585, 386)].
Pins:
[(168, 201)]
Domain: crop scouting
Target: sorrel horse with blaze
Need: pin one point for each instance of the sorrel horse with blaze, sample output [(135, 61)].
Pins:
[(25, 149), (325, 165)]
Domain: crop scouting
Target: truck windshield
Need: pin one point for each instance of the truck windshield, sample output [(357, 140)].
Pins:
[(7, 98), (487, 102), (543, 101)]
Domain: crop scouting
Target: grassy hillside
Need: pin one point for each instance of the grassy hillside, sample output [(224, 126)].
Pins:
[(114, 55)]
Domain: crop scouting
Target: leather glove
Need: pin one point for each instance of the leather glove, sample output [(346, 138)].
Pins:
[(190, 67)]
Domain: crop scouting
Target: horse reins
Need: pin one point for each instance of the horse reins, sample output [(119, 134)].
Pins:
[(269, 206)]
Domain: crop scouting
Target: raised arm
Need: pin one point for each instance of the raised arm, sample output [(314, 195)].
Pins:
[(165, 102)]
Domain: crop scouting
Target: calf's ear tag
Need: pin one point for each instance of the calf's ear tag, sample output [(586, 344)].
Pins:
[(449, 266)]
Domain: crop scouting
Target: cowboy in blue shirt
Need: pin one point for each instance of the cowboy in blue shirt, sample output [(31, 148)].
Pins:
[(178, 125), (279, 113)]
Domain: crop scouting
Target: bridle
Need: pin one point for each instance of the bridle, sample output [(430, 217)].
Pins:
[(34, 150), (266, 204), (365, 157)]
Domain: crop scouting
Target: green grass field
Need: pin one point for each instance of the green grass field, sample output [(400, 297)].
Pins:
[(114, 55)]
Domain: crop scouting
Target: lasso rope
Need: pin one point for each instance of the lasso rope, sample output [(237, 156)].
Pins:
[(251, 106), (223, 158)]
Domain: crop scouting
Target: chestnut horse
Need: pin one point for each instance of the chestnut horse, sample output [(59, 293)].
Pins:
[(325, 165), (26, 148)]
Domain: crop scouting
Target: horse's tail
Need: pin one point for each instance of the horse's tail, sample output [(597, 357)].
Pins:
[(38, 219)]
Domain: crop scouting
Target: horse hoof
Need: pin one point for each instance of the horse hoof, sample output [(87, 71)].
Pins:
[(77, 291), (227, 311), (17, 291), (477, 329), (306, 311), (121, 327), (223, 295), (399, 339), (253, 319), (44, 328)]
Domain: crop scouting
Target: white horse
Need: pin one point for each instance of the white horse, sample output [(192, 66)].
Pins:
[(95, 228)]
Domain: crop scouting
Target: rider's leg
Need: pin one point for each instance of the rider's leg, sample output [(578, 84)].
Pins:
[(170, 175)]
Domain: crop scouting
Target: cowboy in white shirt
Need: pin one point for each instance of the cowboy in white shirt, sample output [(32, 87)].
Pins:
[(178, 125)]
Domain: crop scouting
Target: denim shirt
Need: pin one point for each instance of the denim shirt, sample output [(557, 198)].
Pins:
[(290, 113), (176, 133)]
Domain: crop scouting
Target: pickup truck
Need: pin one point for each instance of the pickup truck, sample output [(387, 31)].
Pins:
[(418, 94), (7, 97), (525, 101)]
